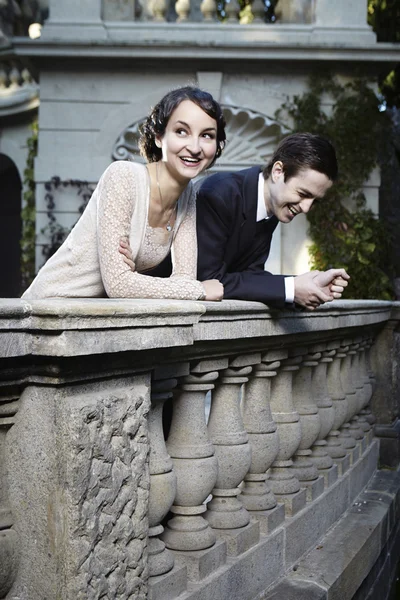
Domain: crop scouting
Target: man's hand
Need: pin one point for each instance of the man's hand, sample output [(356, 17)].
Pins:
[(332, 282), (316, 287), (213, 289)]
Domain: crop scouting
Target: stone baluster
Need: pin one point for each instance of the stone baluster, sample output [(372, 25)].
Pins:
[(305, 404), (349, 372), (338, 443), (360, 388), (9, 550), (225, 513), (162, 479), (194, 462), (232, 9), (159, 10), (257, 495), (368, 383), (320, 457), (283, 481), (182, 8), (209, 10), (258, 11)]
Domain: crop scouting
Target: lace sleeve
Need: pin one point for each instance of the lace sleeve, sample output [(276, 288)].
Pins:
[(184, 246), (115, 208)]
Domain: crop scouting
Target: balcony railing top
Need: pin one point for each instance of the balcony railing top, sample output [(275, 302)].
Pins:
[(76, 327)]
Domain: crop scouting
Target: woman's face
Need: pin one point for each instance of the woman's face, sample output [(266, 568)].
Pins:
[(189, 142)]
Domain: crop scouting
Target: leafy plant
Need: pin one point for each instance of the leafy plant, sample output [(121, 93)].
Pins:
[(343, 230), (28, 213), (54, 231)]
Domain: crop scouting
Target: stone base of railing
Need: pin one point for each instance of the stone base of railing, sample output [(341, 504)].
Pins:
[(359, 557), (389, 436), (248, 576)]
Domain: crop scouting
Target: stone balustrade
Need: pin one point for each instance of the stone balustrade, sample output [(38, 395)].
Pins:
[(116, 484)]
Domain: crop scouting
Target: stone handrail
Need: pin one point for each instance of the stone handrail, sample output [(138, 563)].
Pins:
[(102, 497)]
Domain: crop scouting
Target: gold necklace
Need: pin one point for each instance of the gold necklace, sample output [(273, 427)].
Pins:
[(168, 226)]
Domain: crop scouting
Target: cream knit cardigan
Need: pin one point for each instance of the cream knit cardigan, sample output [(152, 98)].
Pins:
[(88, 264)]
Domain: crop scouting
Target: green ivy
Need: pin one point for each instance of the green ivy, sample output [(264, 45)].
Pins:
[(28, 213), (353, 238)]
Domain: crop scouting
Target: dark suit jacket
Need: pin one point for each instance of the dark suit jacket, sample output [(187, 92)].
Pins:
[(227, 250)]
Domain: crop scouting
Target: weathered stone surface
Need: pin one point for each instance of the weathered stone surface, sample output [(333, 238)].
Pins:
[(82, 519)]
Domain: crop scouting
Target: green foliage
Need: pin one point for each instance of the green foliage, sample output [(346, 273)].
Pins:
[(54, 231), (384, 18), (342, 237), (28, 213)]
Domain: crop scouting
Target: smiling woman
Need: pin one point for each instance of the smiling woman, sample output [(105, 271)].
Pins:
[(151, 207)]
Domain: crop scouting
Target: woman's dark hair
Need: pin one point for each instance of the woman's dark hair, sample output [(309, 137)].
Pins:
[(156, 123), (301, 151)]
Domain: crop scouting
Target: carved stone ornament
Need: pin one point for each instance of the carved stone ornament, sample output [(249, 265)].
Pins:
[(251, 139)]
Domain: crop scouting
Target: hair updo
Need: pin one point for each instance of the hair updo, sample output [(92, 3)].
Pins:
[(156, 123)]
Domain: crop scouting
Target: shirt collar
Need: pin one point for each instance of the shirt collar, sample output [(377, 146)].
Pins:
[(261, 208)]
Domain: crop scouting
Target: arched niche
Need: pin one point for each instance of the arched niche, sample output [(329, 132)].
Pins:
[(10, 228)]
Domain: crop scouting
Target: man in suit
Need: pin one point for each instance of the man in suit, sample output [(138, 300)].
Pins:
[(237, 214)]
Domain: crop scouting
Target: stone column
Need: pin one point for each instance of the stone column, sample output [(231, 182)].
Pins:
[(368, 388), (225, 512), (305, 403), (209, 10), (284, 483), (82, 518), (320, 457), (162, 479), (257, 495), (9, 539), (195, 464), (182, 8), (335, 445), (360, 389), (345, 437), (349, 381)]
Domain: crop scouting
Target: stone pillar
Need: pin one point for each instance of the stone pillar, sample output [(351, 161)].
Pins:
[(74, 20), (225, 513), (82, 518), (320, 457), (257, 495), (162, 479), (359, 383), (194, 461), (9, 539), (284, 483), (349, 381), (345, 437), (305, 403), (182, 8), (335, 445), (232, 9), (209, 10), (368, 382)]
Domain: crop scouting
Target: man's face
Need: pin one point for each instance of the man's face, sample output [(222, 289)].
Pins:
[(286, 199)]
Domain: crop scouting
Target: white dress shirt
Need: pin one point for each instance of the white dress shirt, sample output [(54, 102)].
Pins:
[(262, 214)]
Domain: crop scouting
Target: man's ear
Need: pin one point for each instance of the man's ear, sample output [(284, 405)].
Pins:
[(277, 171)]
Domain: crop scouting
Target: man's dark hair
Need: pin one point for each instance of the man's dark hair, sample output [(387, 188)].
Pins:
[(301, 151), (157, 121)]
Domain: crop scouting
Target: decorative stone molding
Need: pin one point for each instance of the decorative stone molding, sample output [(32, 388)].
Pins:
[(252, 138), (19, 93)]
